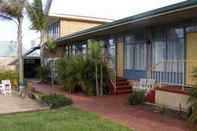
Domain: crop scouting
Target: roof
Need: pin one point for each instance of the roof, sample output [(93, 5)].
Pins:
[(80, 17), (74, 16), (30, 51), (27, 55), (133, 19)]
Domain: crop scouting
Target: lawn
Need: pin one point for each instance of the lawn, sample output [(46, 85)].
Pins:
[(64, 119)]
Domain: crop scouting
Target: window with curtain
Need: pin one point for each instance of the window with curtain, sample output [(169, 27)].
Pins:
[(80, 49), (53, 30), (175, 50), (158, 49), (66, 51), (111, 46), (135, 52), (168, 49)]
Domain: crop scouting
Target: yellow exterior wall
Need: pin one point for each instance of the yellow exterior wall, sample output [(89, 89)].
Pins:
[(71, 26), (119, 55), (171, 100), (191, 56), (68, 26)]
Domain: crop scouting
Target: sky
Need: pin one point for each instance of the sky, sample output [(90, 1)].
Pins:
[(112, 9)]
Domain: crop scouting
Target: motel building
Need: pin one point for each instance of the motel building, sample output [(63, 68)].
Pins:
[(160, 45)]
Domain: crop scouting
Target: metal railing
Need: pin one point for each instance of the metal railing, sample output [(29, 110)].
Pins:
[(173, 72)]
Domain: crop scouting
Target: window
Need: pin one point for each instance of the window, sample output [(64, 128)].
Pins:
[(168, 49), (110, 46), (66, 51), (135, 52), (158, 49), (81, 49), (192, 28), (175, 49), (53, 30)]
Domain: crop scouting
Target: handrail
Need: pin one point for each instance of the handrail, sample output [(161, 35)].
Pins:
[(173, 70)]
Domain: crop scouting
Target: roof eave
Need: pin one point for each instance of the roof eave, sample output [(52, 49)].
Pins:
[(143, 16)]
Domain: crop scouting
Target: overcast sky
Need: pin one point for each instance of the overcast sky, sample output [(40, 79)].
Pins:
[(113, 9)]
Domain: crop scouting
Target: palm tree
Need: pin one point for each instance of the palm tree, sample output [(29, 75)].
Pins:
[(13, 10), (95, 54), (38, 19)]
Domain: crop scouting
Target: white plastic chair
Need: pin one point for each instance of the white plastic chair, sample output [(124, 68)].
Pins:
[(141, 84), (144, 84), (6, 84), (2, 89), (150, 83)]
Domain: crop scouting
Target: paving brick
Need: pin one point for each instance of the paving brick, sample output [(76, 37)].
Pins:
[(116, 109)]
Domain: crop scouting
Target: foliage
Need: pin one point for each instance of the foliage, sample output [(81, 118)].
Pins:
[(37, 16), (96, 56), (42, 73), (192, 113), (13, 10), (136, 97), (79, 72), (95, 50), (51, 45), (9, 75), (65, 119), (56, 101), (72, 73)]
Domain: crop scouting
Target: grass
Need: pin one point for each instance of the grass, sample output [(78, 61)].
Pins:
[(64, 119)]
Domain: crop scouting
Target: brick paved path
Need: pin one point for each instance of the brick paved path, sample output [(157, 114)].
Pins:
[(116, 109)]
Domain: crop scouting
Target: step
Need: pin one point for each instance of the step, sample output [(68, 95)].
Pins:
[(123, 91), (123, 87), (122, 82)]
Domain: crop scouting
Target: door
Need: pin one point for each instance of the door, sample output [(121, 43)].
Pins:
[(191, 56)]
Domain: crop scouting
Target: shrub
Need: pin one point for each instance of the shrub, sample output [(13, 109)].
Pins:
[(136, 97), (79, 71), (56, 101), (9, 75), (51, 45), (42, 73), (192, 101)]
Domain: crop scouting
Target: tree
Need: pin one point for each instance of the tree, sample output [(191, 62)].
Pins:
[(95, 54), (13, 10), (38, 19)]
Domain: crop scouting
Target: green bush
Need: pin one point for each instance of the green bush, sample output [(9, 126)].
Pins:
[(9, 75), (42, 73), (192, 101), (51, 45), (136, 97), (76, 71), (56, 101)]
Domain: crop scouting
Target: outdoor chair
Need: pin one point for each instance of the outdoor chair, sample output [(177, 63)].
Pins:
[(140, 84), (2, 89), (144, 84), (150, 83), (6, 84)]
